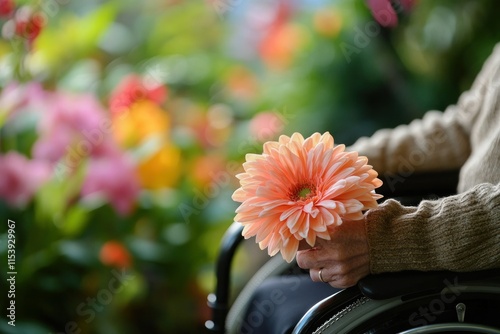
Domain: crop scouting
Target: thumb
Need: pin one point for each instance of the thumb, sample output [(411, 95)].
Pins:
[(304, 245)]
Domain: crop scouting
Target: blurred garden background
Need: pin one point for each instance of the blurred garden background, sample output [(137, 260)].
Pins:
[(123, 123)]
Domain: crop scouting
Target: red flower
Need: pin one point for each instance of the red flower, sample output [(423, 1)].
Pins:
[(113, 253), (133, 89), (6, 8), (28, 24)]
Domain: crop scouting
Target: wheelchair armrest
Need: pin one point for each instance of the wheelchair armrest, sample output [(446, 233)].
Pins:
[(404, 283), (387, 303), (219, 301)]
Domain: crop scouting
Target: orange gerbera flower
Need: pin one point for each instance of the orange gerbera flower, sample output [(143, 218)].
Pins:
[(299, 189)]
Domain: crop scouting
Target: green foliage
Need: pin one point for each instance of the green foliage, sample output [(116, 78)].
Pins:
[(84, 265)]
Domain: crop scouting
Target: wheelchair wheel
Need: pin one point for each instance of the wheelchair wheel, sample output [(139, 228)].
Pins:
[(465, 308), (274, 267)]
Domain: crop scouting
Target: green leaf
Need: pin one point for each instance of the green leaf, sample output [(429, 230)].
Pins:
[(93, 26), (76, 37), (75, 221), (53, 197)]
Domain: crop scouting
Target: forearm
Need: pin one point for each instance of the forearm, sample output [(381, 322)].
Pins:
[(436, 142), (459, 233)]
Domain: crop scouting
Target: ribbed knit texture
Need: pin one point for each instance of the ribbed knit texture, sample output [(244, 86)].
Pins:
[(460, 232)]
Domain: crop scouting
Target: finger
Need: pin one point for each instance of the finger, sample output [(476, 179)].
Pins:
[(343, 277), (307, 259), (324, 275), (342, 274), (303, 245), (316, 258), (346, 281), (318, 275)]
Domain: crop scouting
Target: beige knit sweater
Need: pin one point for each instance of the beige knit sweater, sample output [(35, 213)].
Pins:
[(460, 232)]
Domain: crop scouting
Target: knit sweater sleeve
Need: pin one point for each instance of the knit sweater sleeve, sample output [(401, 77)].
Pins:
[(435, 142), (459, 233)]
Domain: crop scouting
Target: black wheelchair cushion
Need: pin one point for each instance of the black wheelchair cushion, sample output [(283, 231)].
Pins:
[(389, 285)]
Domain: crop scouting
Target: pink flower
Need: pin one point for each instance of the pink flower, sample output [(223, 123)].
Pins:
[(14, 98), (75, 126), (384, 13), (21, 178), (299, 189), (266, 125), (114, 179)]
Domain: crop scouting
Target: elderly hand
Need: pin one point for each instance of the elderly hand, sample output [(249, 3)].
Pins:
[(343, 260)]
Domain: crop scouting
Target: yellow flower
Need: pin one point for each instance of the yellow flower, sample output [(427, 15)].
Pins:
[(142, 120), (327, 22), (162, 169)]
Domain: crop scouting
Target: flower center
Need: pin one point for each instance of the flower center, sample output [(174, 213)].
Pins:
[(302, 192)]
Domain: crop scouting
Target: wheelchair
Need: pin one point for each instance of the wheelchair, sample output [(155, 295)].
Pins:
[(407, 302)]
